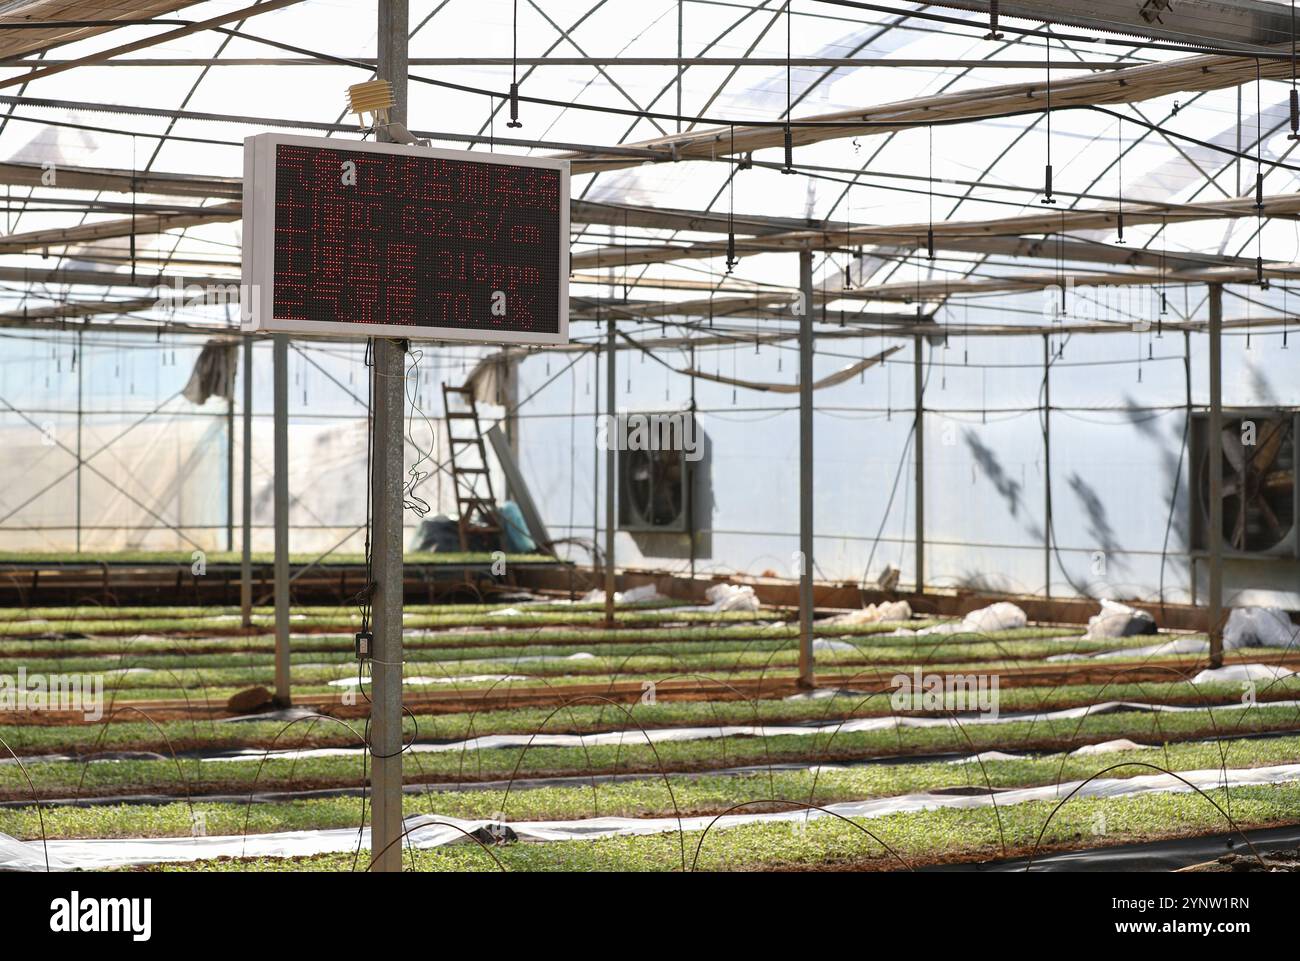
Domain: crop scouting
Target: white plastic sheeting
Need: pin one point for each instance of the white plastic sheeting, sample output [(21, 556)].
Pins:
[(422, 681), (1002, 616), (1108, 747), (872, 614), (1179, 645), (730, 597), (661, 735), (635, 595), (430, 831), (1241, 672), (1259, 627)]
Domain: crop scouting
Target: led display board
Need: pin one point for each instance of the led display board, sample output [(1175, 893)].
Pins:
[(390, 240)]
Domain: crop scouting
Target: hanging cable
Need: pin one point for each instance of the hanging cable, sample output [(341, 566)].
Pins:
[(1249, 304), (1119, 171), (994, 33), (133, 205), (1259, 183), (1164, 269), (848, 243), (789, 138), (1047, 171), (514, 68), (731, 212), (929, 233)]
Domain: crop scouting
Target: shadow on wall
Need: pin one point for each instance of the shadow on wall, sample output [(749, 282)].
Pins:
[(1010, 490), (1173, 469)]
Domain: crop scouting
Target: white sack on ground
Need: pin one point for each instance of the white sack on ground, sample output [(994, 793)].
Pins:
[(1241, 672), (729, 597), (873, 614), (426, 831), (1119, 620), (1259, 627), (1108, 747), (1002, 616), (636, 595)]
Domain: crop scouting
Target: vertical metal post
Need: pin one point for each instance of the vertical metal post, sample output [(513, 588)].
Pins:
[(230, 472), (1047, 466), (386, 511), (611, 469), (246, 560), (806, 666), (595, 458), (1187, 400), (918, 406), (81, 369), (1214, 616), (280, 375), (691, 514), (510, 388)]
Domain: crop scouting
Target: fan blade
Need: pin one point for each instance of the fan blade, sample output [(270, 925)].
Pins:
[(1233, 449), (1273, 524), (1266, 451), (1231, 488), (1238, 539)]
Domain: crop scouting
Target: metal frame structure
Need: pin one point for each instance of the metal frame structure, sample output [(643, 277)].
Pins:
[(1227, 46)]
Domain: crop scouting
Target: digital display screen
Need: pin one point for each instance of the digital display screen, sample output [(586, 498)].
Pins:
[(413, 239)]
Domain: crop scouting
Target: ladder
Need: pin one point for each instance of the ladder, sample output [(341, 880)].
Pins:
[(476, 506)]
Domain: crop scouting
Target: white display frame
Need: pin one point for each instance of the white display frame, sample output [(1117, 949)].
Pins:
[(258, 260)]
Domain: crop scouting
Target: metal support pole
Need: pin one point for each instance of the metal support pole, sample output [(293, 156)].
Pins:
[(230, 473), (510, 421), (81, 368), (246, 561), (1047, 466), (694, 486), (806, 666), (595, 460), (611, 470), (386, 512), (918, 406), (280, 374), (1214, 615), (1187, 400)]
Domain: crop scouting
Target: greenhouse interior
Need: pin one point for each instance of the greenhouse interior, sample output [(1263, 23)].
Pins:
[(784, 435)]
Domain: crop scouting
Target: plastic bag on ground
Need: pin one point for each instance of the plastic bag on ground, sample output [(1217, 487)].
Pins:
[(1259, 627), (729, 597), (1241, 672), (636, 595), (874, 614), (1002, 616), (1119, 620), (1108, 747)]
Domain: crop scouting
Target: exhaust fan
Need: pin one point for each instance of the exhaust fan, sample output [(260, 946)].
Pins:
[(1260, 498)]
